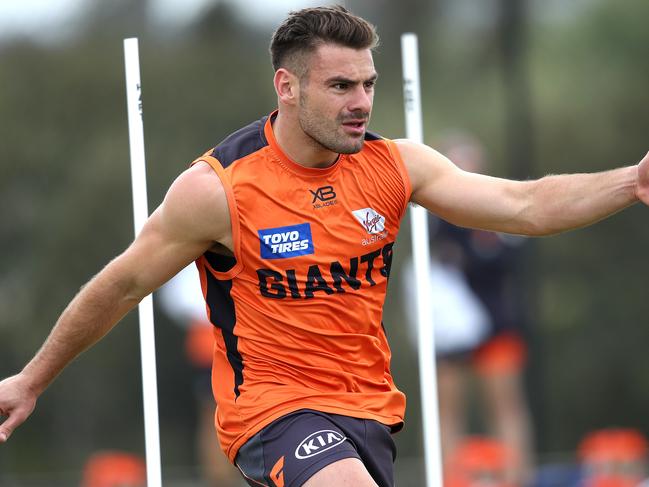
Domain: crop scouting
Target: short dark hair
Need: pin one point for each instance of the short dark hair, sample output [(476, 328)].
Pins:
[(304, 30)]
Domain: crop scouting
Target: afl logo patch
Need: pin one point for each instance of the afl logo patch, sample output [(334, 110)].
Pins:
[(318, 442), (285, 242)]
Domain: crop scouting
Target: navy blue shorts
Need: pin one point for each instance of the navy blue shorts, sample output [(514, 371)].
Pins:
[(290, 450)]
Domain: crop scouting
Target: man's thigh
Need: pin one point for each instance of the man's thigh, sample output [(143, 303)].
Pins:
[(349, 472), (312, 445)]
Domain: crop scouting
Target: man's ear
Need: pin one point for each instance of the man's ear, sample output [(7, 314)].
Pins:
[(287, 86)]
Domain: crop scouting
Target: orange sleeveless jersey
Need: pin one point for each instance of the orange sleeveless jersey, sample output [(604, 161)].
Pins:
[(297, 311)]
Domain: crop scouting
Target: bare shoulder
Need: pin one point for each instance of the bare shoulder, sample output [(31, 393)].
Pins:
[(423, 163), (196, 204)]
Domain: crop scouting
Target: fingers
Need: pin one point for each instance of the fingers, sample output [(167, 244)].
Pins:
[(10, 424), (16, 404), (4, 435), (12, 421)]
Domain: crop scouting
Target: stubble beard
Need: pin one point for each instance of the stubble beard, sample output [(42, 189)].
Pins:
[(326, 133)]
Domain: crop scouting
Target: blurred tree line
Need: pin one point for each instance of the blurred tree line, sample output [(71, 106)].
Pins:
[(547, 88)]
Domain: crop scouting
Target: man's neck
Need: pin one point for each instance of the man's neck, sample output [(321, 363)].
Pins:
[(298, 146)]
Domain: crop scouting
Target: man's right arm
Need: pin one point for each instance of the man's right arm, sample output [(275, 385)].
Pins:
[(193, 217), (545, 206)]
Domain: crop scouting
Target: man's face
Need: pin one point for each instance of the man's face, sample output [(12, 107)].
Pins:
[(336, 97)]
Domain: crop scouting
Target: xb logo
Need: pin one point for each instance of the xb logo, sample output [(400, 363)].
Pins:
[(323, 196), (325, 193)]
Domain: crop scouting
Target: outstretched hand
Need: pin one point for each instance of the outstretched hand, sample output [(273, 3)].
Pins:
[(642, 189), (17, 401)]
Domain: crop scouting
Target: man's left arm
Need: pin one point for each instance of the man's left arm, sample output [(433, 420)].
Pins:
[(545, 206)]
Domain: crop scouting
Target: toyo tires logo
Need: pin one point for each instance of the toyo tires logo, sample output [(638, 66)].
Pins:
[(285, 242), (318, 442)]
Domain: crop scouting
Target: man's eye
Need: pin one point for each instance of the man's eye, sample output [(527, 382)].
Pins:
[(340, 86)]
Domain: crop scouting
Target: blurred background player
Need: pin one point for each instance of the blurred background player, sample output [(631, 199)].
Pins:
[(478, 462), (182, 300), (114, 469), (477, 328), (613, 458)]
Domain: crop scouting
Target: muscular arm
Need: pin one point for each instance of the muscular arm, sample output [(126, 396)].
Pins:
[(541, 207), (193, 217)]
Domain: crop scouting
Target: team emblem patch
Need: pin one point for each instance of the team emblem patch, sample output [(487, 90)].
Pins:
[(372, 221), (285, 242)]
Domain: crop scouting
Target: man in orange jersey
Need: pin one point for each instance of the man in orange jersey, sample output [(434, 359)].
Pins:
[(291, 221)]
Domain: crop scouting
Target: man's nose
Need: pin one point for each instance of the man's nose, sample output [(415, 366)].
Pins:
[(361, 100)]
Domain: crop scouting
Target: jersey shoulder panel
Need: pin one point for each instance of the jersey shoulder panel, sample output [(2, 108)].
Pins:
[(370, 136), (238, 145), (241, 143)]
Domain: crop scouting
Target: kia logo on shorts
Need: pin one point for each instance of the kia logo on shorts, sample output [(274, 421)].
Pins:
[(318, 442)]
